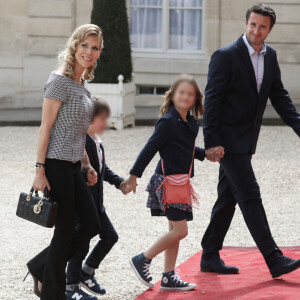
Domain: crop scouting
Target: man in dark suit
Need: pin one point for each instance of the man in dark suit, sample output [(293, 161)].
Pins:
[(241, 78)]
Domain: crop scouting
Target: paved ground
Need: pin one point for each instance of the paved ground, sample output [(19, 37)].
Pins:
[(277, 167)]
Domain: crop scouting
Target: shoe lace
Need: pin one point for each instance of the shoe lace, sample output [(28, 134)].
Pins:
[(94, 280), (177, 278), (146, 269)]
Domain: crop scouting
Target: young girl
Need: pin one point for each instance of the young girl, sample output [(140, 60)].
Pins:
[(174, 138)]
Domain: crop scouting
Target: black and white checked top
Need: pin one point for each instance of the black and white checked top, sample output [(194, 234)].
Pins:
[(68, 133)]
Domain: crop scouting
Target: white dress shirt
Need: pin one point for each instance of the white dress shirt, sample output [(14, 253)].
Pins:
[(98, 141), (257, 59)]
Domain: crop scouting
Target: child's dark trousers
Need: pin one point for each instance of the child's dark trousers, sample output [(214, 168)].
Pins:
[(108, 237)]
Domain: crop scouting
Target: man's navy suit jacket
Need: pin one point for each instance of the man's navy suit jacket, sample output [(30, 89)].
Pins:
[(233, 107)]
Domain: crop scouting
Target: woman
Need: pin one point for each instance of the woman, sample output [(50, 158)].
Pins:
[(61, 154)]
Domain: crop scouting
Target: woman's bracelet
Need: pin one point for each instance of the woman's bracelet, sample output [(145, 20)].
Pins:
[(39, 165)]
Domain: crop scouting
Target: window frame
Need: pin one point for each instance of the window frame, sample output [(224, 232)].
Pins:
[(155, 87), (165, 51)]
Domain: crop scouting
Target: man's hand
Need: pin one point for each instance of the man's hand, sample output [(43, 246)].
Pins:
[(131, 182), (125, 188), (215, 154), (92, 177)]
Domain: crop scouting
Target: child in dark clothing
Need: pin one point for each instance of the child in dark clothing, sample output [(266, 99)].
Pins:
[(79, 274), (174, 138)]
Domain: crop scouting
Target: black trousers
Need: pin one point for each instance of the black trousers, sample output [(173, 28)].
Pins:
[(108, 237), (238, 185), (70, 191)]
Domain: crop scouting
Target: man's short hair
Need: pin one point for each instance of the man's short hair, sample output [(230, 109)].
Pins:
[(264, 10)]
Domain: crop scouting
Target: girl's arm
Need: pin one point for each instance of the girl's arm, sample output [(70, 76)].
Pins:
[(49, 114), (158, 139)]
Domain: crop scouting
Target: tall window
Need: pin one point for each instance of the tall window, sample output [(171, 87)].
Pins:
[(166, 24), (146, 23)]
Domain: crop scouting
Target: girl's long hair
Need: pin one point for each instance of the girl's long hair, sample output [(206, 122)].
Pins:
[(197, 110), (67, 56)]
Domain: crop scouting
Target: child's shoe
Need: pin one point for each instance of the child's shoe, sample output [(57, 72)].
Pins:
[(78, 293), (171, 281), (141, 266), (90, 283)]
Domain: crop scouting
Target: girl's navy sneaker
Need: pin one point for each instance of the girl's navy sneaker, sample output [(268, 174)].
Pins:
[(171, 281), (141, 266), (89, 282), (79, 294)]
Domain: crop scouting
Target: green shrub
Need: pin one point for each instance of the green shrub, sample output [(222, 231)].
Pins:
[(115, 59)]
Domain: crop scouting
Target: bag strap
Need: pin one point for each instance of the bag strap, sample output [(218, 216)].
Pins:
[(191, 167), (162, 167)]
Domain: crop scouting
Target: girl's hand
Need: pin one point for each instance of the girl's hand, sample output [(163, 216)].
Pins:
[(125, 188), (40, 181), (92, 177), (215, 154), (131, 181)]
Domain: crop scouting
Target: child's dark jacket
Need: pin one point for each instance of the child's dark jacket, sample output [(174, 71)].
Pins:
[(174, 139), (106, 173)]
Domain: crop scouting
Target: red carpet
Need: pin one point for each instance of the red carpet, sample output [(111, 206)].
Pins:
[(253, 282)]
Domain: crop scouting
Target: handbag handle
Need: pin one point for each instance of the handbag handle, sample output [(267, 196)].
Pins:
[(45, 193), (191, 167)]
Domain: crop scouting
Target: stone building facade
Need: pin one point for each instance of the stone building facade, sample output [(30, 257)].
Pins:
[(33, 31)]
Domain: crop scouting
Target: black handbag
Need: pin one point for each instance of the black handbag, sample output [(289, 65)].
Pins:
[(33, 208)]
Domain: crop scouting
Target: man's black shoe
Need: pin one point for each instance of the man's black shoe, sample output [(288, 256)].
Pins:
[(211, 262), (283, 265)]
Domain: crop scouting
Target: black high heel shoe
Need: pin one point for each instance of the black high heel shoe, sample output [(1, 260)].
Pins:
[(35, 285)]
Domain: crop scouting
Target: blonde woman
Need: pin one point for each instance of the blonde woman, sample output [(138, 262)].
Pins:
[(66, 115)]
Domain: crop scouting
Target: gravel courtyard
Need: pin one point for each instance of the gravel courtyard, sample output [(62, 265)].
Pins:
[(277, 167)]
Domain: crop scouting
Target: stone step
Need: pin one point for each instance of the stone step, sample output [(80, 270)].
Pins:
[(20, 117), (145, 115)]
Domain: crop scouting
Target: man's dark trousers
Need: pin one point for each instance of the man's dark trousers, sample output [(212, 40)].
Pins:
[(238, 185), (234, 110)]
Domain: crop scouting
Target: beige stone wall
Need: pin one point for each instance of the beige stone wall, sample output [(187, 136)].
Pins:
[(33, 31), (13, 39), (31, 34), (284, 38)]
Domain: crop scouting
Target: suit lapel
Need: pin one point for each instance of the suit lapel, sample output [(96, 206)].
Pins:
[(245, 57)]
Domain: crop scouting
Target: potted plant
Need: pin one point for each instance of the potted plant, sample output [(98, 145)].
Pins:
[(113, 75)]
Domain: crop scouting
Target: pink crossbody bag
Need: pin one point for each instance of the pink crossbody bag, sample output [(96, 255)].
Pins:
[(178, 189)]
